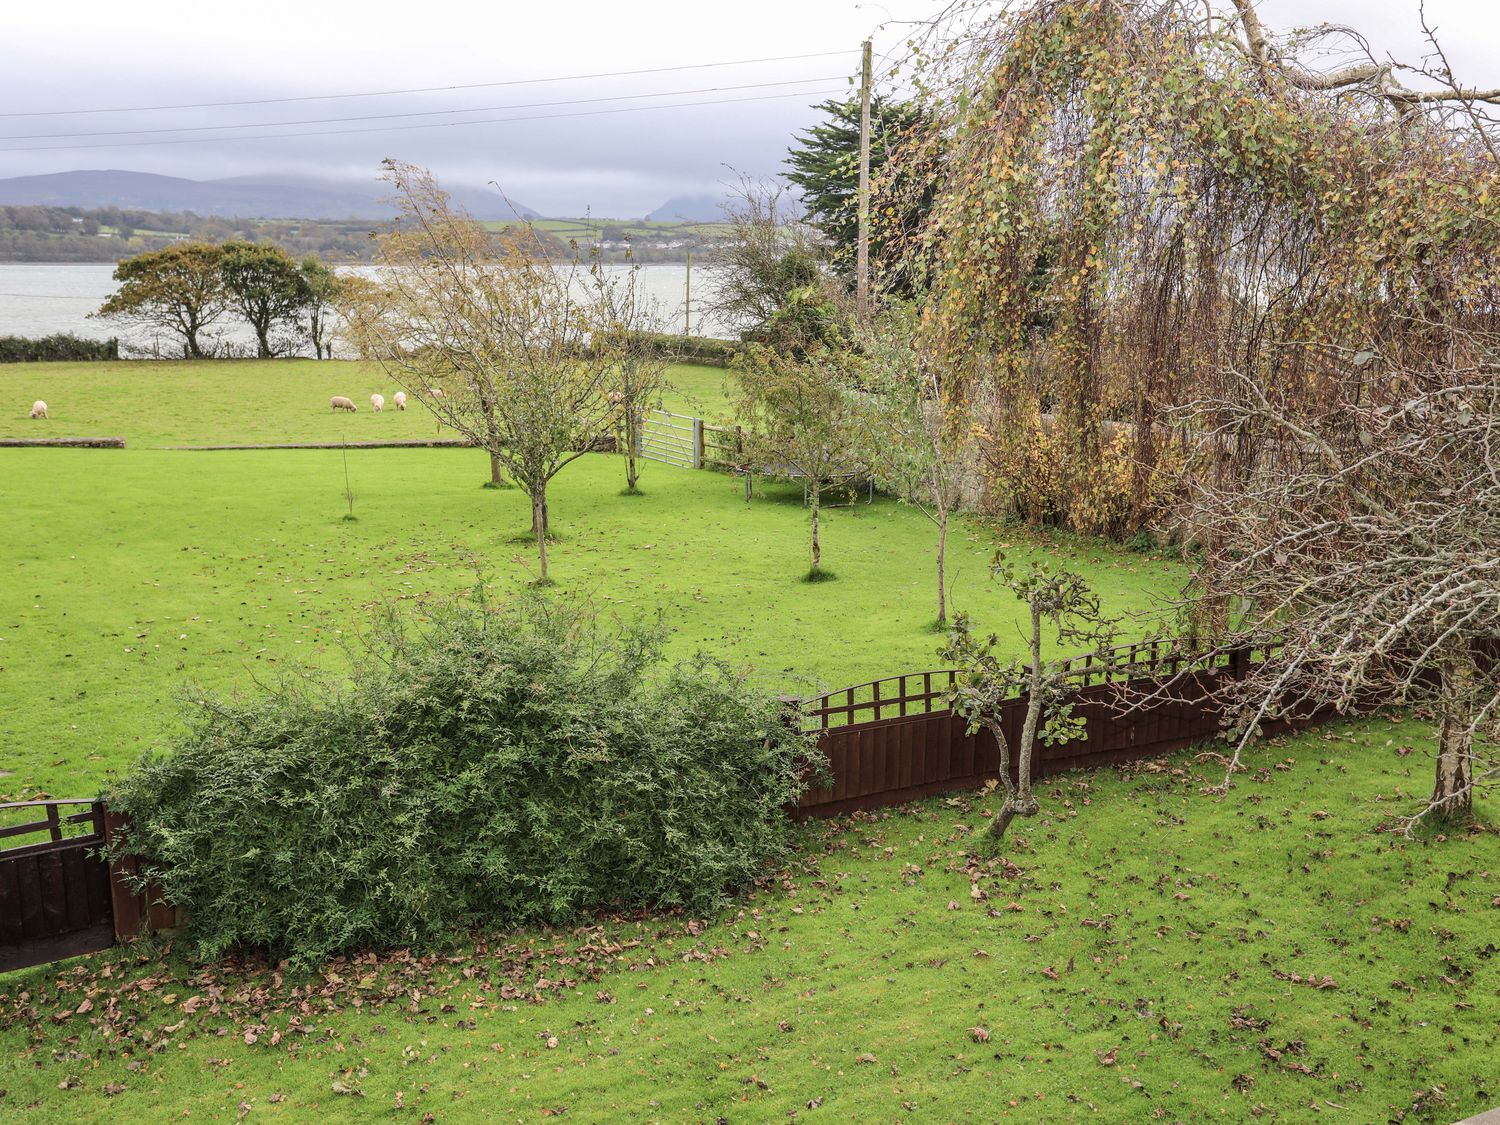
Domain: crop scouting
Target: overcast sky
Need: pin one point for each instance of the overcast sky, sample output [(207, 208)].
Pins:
[(91, 54)]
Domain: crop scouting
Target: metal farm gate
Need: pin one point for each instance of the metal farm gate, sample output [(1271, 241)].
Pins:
[(673, 439)]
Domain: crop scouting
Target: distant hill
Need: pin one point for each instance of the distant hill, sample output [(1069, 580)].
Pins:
[(245, 197), (702, 208)]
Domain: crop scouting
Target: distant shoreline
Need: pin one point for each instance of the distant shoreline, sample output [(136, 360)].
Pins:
[(332, 262)]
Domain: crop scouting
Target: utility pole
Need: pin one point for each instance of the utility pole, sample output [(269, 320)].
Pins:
[(862, 252), (687, 298)]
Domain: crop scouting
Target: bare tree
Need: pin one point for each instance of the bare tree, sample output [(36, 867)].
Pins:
[(1378, 78), (986, 682), (769, 255), (624, 319), (798, 422), (490, 334), (915, 430), (1365, 539)]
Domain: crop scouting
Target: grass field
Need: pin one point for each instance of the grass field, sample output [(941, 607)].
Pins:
[(141, 568), (1143, 952), (153, 404)]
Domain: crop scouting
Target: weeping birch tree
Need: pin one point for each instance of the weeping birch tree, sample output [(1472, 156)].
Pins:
[(1364, 541), (1131, 197), (490, 334)]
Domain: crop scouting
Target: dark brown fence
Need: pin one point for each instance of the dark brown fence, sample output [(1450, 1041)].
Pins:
[(59, 895), (54, 892), (888, 741), (893, 740)]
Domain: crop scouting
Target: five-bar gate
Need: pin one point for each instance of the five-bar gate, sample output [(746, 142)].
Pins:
[(674, 439)]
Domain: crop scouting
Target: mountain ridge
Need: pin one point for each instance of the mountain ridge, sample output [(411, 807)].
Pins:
[(265, 196)]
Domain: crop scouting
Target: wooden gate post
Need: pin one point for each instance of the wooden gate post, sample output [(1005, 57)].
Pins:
[(697, 443), (129, 911)]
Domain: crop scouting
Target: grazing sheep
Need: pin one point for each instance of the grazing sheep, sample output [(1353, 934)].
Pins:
[(339, 402), (377, 403), (436, 392), (39, 409), (400, 400)]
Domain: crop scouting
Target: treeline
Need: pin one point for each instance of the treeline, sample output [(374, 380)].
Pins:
[(35, 233), (187, 290), (107, 234)]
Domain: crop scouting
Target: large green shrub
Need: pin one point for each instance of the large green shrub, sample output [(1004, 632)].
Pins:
[(488, 769)]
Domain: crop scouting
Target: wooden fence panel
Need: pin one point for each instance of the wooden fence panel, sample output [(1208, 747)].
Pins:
[(54, 895), (893, 741)]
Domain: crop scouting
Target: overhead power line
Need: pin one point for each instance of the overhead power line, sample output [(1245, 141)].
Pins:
[(423, 125), (417, 113), (423, 89)]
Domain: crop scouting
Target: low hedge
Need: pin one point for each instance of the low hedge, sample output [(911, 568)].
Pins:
[(488, 769), (707, 350), (62, 346)]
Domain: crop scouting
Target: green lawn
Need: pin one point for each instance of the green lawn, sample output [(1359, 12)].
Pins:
[(153, 404), (1147, 956), (1152, 954), (128, 572)]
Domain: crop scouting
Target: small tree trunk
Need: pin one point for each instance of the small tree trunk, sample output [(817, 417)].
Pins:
[(1452, 791), (1019, 799), (942, 555), (496, 478), (1010, 806), (263, 340), (539, 525), (632, 442), (1033, 714), (817, 547)]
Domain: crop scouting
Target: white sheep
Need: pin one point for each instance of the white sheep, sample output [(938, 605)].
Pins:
[(377, 403), (436, 392), (39, 409), (339, 402), (400, 400)]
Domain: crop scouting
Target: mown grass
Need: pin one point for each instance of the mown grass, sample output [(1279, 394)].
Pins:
[(1139, 952), (153, 404), (131, 571)]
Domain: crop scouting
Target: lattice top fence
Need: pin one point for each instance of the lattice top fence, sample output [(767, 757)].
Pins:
[(57, 824), (922, 693)]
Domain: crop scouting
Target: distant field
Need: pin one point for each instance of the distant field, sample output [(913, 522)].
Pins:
[(634, 228), (177, 402)]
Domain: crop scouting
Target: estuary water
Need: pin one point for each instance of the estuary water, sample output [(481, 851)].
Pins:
[(43, 298)]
